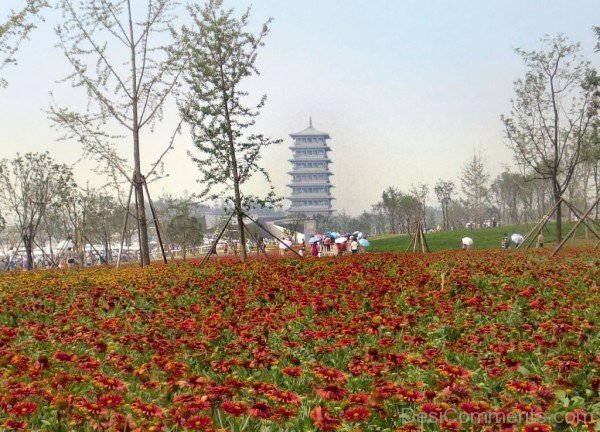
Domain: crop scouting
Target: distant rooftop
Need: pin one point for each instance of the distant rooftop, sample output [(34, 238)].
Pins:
[(310, 131)]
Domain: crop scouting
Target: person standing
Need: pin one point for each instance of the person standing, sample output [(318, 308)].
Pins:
[(314, 250), (327, 243), (505, 241), (353, 246), (540, 240)]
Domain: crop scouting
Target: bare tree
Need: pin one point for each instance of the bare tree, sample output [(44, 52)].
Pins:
[(15, 29), (125, 65), (551, 111), (29, 186)]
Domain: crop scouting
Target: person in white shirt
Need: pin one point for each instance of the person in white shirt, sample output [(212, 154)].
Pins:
[(353, 245)]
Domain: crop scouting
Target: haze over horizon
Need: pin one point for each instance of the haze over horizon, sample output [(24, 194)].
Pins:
[(407, 90)]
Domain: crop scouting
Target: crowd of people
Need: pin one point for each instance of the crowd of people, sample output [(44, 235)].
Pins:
[(328, 244)]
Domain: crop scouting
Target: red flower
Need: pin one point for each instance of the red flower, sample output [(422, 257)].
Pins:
[(284, 397), (356, 414), (450, 425), (147, 410), (454, 371), (332, 392), (15, 425), (109, 383), (536, 427), (520, 386), (65, 357), (260, 410), (198, 423), (410, 395), (475, 407), (358, 398), (93, 408), (292, 371), (528, 408), (579, 416), (331, 375), (236, 409), (110, 401), (323, 419), (434, 410), (23, 408)]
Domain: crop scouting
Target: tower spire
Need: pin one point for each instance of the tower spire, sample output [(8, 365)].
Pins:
[(310, 122)]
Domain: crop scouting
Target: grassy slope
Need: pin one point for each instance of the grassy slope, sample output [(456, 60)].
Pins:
[(487, 238)]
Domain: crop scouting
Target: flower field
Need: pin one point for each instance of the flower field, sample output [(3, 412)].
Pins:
[(374, 342)]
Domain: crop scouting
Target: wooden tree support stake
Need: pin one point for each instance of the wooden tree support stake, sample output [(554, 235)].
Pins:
[(570, 234), (213, 246), (125, 225), (271, 234), (539, 226)]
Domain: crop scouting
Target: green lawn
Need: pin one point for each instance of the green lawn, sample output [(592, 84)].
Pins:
[(486, 238)]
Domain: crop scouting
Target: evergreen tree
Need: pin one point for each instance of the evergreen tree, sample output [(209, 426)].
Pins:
[(474, 184)]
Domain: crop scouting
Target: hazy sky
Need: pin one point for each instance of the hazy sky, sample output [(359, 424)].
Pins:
[(408, 90)]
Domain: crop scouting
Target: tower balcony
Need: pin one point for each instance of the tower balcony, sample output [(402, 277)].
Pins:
[(309, 171), (311, 146), (310, 159), (319, 195)]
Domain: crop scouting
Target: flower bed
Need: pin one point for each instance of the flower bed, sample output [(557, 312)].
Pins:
[(370, 342)]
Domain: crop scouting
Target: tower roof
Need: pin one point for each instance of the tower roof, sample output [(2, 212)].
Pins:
[(310, 131)]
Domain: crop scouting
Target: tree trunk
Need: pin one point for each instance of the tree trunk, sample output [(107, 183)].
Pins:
[(141, 215), (557, 196), (236, 177), (138, 181), (28, 243)]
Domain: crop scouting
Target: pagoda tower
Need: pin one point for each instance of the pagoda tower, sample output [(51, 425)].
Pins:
[(311, 185)]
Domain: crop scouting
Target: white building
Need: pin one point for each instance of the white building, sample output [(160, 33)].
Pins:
[(311, 185)]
